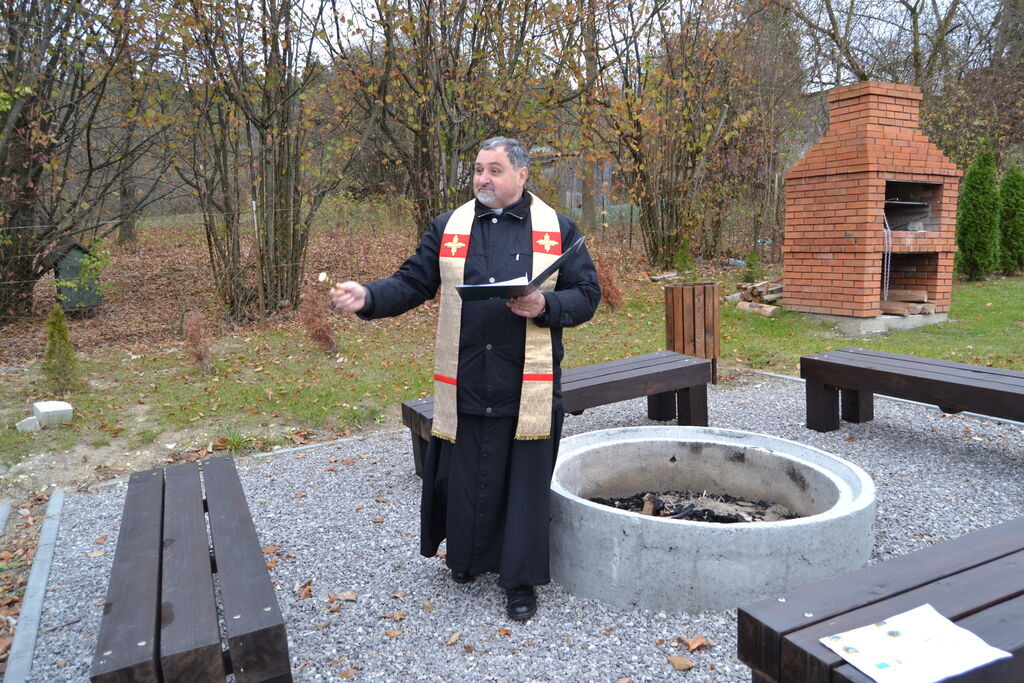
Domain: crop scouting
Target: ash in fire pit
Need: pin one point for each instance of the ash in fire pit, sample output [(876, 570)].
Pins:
[(700, 507)]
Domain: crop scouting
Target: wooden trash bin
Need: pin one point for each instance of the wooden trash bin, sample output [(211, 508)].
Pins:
[(692, 321)]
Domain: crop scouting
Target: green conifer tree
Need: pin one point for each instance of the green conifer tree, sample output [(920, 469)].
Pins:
[(1011, 220), (60, 366), (977, 219)]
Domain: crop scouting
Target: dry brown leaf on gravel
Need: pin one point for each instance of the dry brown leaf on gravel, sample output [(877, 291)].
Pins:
[(695, 643), (393, 632), (454, 639), (680, 663), (348, 673), (305, 590)]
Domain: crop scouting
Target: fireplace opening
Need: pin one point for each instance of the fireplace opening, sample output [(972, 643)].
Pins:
[(908, 205)]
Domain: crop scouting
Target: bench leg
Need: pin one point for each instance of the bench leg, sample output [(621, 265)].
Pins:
[(857, 406), (822, 406), (692, 405), (419, 449), (661, 406)]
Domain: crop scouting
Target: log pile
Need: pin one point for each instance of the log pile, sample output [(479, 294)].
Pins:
[(906, 302), (756, 297), (764, 292)]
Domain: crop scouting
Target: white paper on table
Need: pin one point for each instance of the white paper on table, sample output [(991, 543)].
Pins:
[(918, 646)]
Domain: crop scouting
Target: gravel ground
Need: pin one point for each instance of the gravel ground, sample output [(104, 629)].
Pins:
[(355, 528)]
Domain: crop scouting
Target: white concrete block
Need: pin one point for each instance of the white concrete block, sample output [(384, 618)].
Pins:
[(53, 412), (29, 424)]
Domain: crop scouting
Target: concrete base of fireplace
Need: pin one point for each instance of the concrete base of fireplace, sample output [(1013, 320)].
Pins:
[(849, 326)]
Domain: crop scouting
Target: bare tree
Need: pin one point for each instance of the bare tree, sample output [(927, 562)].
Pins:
[(56, 164), (261, 59), (437, 77), (906, 41)]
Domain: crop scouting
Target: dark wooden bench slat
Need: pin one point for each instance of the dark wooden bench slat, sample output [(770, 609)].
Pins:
[(256, 636), (189, 634), (935, 362), (1001, 626), (762, 625), (804, 658), (126, 647), (646, 360), (919, 368)]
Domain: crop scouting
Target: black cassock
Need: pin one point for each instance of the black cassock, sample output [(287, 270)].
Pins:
[(488, 494)]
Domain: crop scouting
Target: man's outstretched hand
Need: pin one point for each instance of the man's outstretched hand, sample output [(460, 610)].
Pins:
[(348, 297)]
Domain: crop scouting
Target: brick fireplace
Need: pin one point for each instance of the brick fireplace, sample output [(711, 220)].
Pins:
[(873, 167)]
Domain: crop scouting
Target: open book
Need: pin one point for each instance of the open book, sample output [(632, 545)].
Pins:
[(521, 286)]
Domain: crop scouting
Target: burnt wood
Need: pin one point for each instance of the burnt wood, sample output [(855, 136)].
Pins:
[(675, 386), (858, 374), (161, 617), (976, 580), (126, 647)]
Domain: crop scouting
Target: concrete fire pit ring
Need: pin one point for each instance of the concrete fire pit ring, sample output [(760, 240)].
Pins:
[(632, 560)]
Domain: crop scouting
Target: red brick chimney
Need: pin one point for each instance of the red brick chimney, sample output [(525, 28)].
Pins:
[(874, 165)]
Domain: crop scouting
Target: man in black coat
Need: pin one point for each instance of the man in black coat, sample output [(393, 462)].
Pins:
[(498, 412)]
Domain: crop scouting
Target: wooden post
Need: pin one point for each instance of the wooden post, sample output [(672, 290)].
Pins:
[(692, 321)]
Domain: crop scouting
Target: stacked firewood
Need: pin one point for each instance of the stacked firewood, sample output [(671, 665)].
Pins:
[(756, 297), (907, 302), (763, 292)]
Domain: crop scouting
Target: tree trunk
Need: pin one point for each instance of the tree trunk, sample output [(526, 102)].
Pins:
[(127, 230)]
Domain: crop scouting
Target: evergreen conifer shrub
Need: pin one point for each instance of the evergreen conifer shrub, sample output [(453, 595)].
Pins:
[(60, 365), (1011, 220), (977, 219)]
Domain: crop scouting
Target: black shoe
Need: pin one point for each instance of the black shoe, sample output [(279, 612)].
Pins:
[(461, 577), (522, 603)]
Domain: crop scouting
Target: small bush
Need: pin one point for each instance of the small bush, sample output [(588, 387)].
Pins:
[(1011, 220), (611, 293), (754, 271), (977, 219), (684, 263), (313, 314), (197, 342), (60, 365)]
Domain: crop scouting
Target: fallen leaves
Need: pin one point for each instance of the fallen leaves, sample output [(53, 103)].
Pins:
[(393, 632), (305, 590), (695, 643), (454, 639), (429, 606), (680, 663), (394, 616)]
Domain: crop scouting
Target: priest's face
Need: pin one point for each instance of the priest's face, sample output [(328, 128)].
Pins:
[(495, 183)]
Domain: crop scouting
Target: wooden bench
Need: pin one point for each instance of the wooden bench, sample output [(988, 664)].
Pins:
[(976, 581), (857, 374), (160, 617), (675, 386)]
